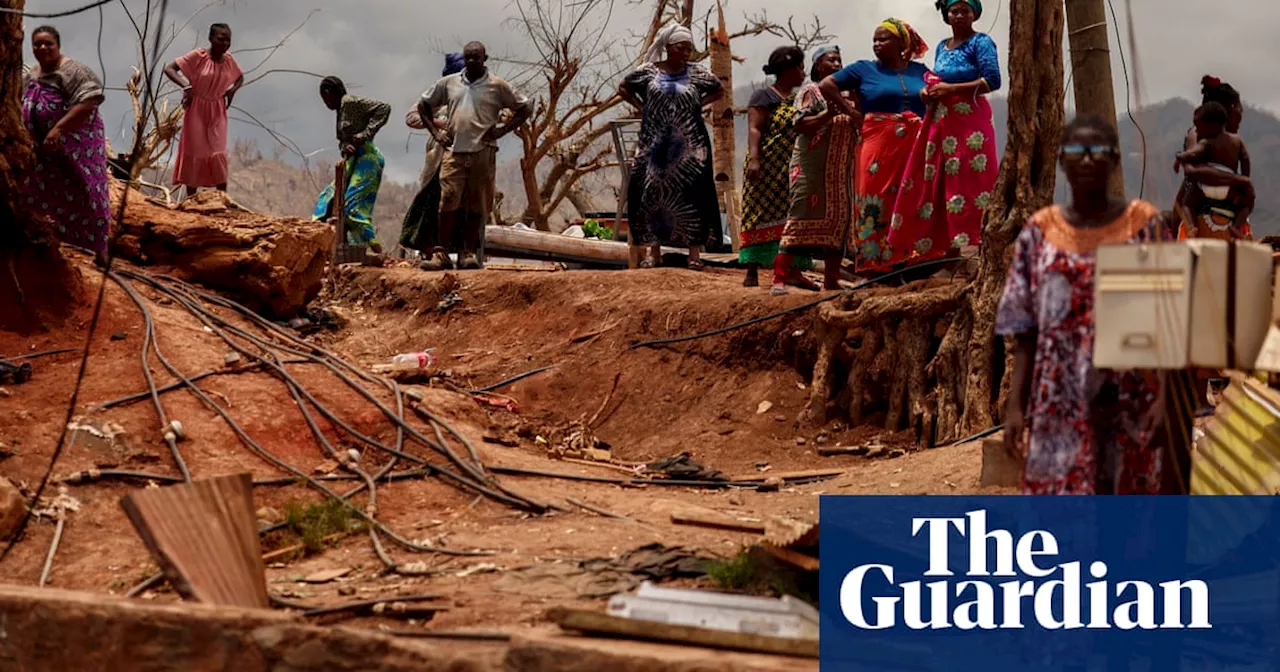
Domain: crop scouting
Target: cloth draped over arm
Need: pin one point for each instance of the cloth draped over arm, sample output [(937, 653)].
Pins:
[(360, 118), (78, 83)]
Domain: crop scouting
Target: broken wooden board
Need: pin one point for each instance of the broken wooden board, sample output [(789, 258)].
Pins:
[(806, 562), (594, 622), (788, 475), (717, 521), (204, 535)]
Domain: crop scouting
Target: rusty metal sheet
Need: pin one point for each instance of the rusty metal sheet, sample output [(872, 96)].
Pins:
[(204, 536)]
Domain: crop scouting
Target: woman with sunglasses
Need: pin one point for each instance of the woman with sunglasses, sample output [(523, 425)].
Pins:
[(1077, 429)]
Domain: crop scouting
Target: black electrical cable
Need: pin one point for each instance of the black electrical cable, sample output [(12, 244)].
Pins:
[(213, 322), (1128, 93), (796, 309), (209, 319), (513, 379), (102, 288), (59, 15), (37, 355)]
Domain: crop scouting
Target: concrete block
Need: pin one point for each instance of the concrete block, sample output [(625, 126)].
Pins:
[(998, 467)]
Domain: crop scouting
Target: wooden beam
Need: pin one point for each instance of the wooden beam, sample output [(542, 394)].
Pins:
[(788, 475), (698, 519)]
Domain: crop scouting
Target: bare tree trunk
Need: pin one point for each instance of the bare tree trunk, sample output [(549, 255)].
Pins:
[(1025, 185), (15, 159), (724, 154)]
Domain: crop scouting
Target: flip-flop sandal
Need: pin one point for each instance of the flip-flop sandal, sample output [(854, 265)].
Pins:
[(646, 263), (779, 290), (697, 266)]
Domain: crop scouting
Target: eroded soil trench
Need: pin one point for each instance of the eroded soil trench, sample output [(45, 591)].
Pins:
[(732, 402)]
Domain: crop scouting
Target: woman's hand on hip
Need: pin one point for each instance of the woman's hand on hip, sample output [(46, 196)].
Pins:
[(187, 97), (53, 139)]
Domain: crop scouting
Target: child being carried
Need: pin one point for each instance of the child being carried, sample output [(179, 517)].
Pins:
[(1216, 148)]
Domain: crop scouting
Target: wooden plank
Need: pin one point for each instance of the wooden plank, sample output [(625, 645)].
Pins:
[(806, 562), (595, 622), (716, 522), (787, 475), (204, 535)]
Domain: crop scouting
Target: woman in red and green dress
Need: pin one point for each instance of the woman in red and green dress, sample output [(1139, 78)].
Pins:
[(888, 98), (766, 192)]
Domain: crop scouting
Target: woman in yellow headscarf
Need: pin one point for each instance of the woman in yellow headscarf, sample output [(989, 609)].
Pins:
[(889, 105)]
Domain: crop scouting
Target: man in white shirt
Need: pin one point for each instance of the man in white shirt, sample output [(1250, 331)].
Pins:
[(475, 100)]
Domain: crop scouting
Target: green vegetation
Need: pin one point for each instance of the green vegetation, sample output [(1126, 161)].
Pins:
[(309, 525), (755, 572)]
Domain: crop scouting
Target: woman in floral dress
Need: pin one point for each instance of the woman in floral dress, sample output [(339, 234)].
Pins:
[(952, 168), (68, 183), (1080, 430)]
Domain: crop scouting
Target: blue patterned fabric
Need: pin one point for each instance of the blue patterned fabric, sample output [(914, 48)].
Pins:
[(976, 58), (880, 89), (364, 176)]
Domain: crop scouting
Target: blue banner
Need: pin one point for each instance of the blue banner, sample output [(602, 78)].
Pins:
[(990, 584)]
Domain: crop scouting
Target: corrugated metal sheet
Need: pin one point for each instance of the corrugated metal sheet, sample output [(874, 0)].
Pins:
[(204, 536), (1240, 451)]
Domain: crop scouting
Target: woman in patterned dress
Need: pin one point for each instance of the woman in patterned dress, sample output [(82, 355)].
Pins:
[(68, 183), (952, 168), (1079, 430), (889, 103), (766, 191), (821, 184), (671, 197)]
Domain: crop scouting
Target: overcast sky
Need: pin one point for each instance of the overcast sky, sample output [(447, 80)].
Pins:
[(392, 49)]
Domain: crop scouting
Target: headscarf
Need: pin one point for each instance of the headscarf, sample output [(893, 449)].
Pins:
[(913, 46), (674, 33), (817, 56), (453, 63), (944, 5)]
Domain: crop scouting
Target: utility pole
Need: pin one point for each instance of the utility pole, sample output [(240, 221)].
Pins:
[(1091, 67)]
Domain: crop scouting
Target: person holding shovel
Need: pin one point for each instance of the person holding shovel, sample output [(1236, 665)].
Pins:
[(359, 120)]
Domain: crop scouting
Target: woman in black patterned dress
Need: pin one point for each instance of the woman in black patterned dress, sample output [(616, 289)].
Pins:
[(672, 194)]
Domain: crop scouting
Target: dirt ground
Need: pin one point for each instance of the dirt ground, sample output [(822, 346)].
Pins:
[(702, 397)]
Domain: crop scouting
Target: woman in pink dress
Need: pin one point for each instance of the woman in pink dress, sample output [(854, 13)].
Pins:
[(209, 79)]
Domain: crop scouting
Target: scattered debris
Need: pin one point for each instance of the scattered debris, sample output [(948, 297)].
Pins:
[(683, 467), (780, 418), (231, 358), (96, 434), (603, 577), (15, 374), (327, 575), (829, 451), (449, 301), (800, 441), (119, 336), (13, 507), (482, 568), (764, 407), (771, 484)]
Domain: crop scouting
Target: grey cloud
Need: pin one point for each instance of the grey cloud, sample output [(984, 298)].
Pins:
[(393, 49)]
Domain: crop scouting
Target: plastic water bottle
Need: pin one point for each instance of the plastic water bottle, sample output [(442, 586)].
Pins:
[(414, 360)]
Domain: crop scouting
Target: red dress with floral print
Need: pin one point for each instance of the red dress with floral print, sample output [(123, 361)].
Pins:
[(1084, 433)]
